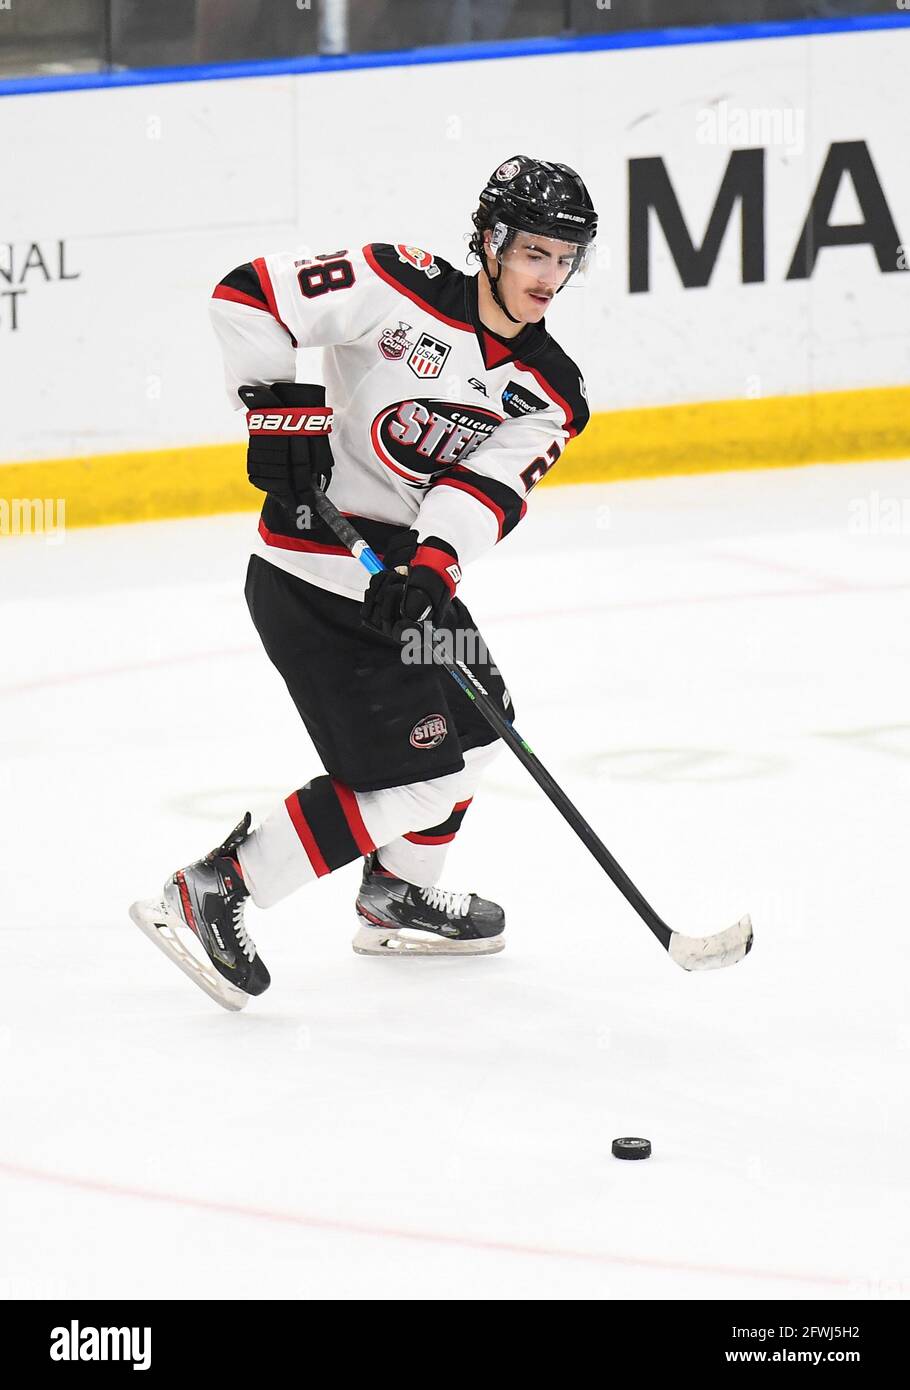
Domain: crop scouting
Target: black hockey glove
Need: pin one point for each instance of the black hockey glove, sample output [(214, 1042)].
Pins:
[(289, 451), (416, 586)]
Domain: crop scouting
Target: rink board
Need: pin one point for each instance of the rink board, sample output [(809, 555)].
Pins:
[(124, 206), (839, 427)]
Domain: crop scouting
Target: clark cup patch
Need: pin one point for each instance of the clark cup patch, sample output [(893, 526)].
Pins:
[(429, 356), (394, 341), (429, 732)]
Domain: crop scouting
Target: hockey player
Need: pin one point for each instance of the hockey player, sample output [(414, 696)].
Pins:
[(449, 402)]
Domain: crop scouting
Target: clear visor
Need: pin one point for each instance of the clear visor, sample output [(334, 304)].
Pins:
[(547, 260)]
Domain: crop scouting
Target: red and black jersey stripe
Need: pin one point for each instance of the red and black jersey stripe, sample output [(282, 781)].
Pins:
[(505, 504), (327, 818), (243, 287), (278, 528), (251, 285), (561, 380), (446, 831), (440, 293)]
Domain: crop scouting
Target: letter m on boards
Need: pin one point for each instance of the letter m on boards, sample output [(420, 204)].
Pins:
[(743, 188), (650, 190)]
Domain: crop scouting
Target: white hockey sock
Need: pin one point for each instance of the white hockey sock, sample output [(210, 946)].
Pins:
[(273, 859), (419, 856), (325, 825)]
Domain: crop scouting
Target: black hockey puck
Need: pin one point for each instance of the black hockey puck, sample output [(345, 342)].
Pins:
[(631, 1148)]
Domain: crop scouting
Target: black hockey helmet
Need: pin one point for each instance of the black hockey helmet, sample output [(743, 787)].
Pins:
[(536, 196), (533, 195)]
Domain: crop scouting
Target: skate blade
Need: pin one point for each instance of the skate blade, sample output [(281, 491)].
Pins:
[(159, 925), (387, 941)]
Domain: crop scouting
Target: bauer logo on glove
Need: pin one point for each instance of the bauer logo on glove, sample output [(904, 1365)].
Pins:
[(289, 422), (289, 453)]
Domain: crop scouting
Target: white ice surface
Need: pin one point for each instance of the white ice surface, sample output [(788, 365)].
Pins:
[(717, 669)]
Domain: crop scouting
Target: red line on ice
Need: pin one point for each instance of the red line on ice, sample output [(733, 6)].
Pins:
[(354, 1228), (70, 677)]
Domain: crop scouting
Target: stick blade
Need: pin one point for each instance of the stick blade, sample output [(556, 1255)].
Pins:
[(712, 952)]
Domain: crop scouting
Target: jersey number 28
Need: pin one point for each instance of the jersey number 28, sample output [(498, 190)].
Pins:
[(324, 274)]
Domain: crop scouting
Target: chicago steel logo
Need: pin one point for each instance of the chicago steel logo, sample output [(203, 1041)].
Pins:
[(417, 439), (429, 356), (394, 341), (430, 732), (419, 259)]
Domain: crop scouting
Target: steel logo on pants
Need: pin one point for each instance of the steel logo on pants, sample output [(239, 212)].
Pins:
[(430, 732)]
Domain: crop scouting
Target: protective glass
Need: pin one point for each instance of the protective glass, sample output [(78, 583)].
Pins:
[(545, 259)]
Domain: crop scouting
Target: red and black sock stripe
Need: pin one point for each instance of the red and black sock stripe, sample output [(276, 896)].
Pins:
[(327, 818), (442, 834)]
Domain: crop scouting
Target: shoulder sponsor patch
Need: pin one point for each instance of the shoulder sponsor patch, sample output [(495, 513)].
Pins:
[(419, 259), (518, 400)]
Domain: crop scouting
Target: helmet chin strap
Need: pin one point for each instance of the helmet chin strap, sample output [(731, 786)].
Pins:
[(496, 295)]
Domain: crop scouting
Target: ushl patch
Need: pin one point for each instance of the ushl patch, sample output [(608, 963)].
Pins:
[(429, 356), (429, 732)]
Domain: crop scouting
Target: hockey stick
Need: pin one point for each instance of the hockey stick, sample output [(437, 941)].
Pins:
[(690, 952)]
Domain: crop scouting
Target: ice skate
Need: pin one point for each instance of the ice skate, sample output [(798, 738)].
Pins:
[(398, 918), (207, 899)]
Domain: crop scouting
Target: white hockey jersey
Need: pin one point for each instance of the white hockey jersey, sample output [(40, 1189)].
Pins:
[(439, 425)]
